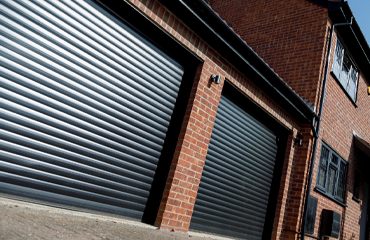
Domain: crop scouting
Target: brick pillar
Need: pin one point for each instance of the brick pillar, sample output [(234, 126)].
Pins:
[(285, 184), (182, 184), (298, 181)]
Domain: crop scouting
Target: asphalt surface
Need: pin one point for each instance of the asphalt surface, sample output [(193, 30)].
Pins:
[(22, 220)]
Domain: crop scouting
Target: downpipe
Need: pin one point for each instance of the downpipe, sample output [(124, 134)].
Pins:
[(317, 131)]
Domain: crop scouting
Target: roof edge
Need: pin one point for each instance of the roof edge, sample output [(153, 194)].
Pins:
[(198, 15), (326, 3), (353, 37)]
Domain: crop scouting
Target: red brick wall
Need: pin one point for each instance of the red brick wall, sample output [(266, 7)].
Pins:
[(340, 118), (292, 38), (288, 35), (187, 165)]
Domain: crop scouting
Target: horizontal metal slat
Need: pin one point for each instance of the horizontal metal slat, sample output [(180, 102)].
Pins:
[(90, 141), (245, 147), (226, 219), (66, 32), (234, 190), (129, 153), (88, 75), (80, 153), (85, 104), (69, 191), (70, 183), (228, 178), (200, 225), (81, 31), (60, 79), (249, 122), (18, 113), (218, 162), (97, 27), (242, 141), (245, 159), (204, 223), (49, 168), (232, 184), (214, 191), (120, 80), (79, 118), (135, 42), (86, 112), (120, 172), (223, 211), (206, 200), (59, 200), (17, 132), (212, 183), (243, 126)]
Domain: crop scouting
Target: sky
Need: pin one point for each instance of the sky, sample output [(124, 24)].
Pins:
[(361, 11)]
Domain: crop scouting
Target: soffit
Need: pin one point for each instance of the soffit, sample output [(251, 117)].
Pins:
[(362, 145)]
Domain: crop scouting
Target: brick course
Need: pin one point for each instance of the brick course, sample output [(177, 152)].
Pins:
[(289, 36), (187, 164), (292, 39)]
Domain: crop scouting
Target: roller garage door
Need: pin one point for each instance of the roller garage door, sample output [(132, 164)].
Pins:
[(85, 105), (234, 192)]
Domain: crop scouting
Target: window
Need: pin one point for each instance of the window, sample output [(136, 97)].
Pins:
[(345, 71), (332, 173)]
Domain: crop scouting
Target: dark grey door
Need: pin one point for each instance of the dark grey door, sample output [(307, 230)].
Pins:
[(234, 190), (85, 105)]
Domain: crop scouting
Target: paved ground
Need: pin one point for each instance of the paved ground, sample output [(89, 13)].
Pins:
[(22, 220)]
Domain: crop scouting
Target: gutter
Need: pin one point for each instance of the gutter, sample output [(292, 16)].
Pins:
[(210, 27)]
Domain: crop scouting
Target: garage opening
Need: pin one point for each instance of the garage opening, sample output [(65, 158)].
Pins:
[(88, 105), (240, 181)]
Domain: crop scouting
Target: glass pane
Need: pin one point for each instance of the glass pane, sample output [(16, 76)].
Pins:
[(323, 166), (341, 181), (344, 76), (324, 157), (338, 59), (322, 175), (331, 181), (334, 159), (352, 84)]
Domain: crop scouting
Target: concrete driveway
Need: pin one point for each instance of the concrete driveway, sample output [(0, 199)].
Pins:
[(23, 220)]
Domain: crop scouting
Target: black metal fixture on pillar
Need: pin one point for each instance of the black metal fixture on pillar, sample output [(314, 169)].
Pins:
[(215, 78), (298, 139)]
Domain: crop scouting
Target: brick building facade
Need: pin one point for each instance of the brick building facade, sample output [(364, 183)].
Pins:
[(291, 38)]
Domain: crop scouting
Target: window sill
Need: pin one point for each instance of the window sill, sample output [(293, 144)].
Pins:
[(356, 199), (330, 197), (344, 90)]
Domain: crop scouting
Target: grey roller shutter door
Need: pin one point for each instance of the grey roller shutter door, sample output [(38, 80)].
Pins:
[(85, 104), (235, 185)]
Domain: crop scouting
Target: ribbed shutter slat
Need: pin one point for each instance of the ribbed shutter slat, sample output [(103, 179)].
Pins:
[(234, 190), (87, 67), (85, 106)]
